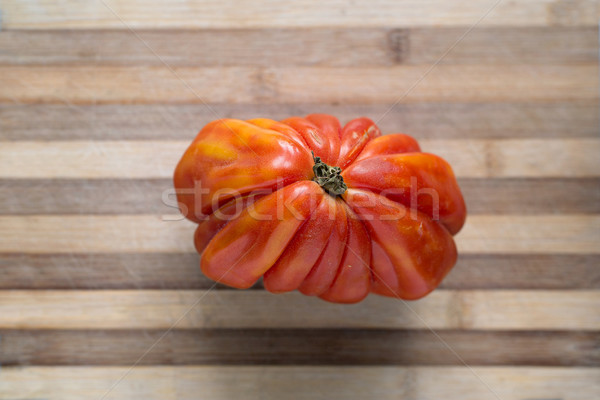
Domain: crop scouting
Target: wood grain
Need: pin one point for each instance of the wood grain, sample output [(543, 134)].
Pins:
[(147, 85), (298, 347), (518, 158), (299, 382), (487, 234), (266, 14), (339, 47), (164, 309), (423, 121), (181, 271), (532, 196), (94, 269), (532, 234), (156, 159), (87, 159), (529, 45)]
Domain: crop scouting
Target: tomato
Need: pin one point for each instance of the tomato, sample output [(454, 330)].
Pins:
[(306, 204)]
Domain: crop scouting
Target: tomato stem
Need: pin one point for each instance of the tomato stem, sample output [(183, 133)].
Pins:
[(329, 178)]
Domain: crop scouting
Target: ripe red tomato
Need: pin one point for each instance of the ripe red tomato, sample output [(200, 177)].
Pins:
[(306, 204)]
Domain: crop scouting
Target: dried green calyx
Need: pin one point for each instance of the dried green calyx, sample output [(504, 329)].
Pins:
[(329, 178)]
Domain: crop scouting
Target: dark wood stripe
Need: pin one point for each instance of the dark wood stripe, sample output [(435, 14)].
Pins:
[(101, 271), (294, 47), (424, 121), (86, 196), (511, 271), (205, 47), (298, 347), (529, 196), (498, 45), (145, 196), (181, 271)]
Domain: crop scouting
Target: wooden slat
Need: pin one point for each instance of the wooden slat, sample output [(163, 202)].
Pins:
[(530, 45), (93, 85), (531, 195), (149, 233), (524, 271), (163, 309), (445, 83), (239, 47), (305, 13), (424, 121), (157, 159), (118, 159), (482, 234), (85, 234), (298, 347), (94, 268), (102, 271), (462, 83), (299, 382), (294, 47), (530, 234), (519, 158), (85, 196), (143, 196), (181, 271)]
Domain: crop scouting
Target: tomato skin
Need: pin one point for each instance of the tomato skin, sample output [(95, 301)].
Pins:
[(324, 142), (208, 227), (354, 137), (246, 247), (396, 143), (231, 155), (352, 282), (296, 261), (332, 130), (323, 273), (423, 175), (412, 253), (261, 212)]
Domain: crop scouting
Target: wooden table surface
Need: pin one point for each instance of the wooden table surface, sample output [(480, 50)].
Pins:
[(101, 296)]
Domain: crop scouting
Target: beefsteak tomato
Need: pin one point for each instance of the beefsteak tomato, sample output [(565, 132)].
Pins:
[(335, 212)]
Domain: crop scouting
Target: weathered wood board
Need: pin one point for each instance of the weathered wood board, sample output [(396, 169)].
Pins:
[(101, 296)]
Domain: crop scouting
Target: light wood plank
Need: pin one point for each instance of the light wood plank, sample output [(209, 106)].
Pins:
[(103, 234), (445, 83), (304, 13), (299, 347), (100, 159), (297, 382), (464, 83), (157, 159), (424, 121), (482, 234), (181, 271), (144, 196), (519, 158), (162, 309), (96, 85), (302, 47)]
